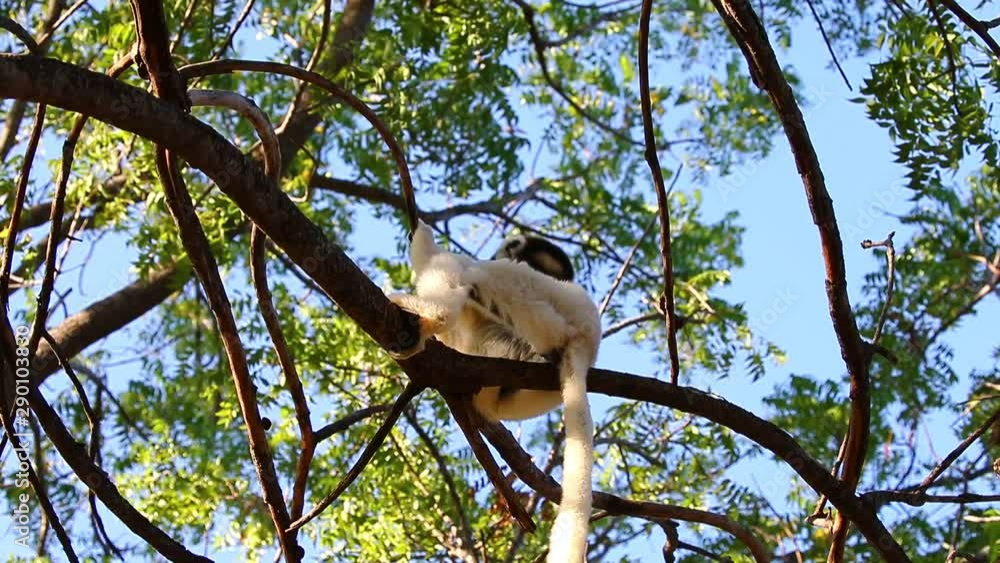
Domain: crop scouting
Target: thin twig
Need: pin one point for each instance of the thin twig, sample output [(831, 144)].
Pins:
[(63, 18), (25, 172), (955, 453), (56, 210), (93, 444), (623, 324), (51, 248), (80, 391), (207, 270), (184, 23), (375, 195), (890, 259), (287, 362), (820, 510), (15, 213), (409, 392), (624, 268), (102, 389), (662, 203), (232, 31), (949, 52), (345, 422), (981, 29), (829, 46), (539, 43)]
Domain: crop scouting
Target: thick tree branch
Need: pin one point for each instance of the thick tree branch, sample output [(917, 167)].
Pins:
[(133, 110), (749, 34), (97, 480)]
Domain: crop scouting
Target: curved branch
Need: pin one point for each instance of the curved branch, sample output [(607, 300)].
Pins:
[(434, 366), (751, 37), (134, 110), (337, 93), (527, 471), (662, 203), (407, 395)]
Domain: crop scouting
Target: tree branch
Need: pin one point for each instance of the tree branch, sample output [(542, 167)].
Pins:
[(76, 89), (982, 29), (662, 203), (521, 463), (749, 34)]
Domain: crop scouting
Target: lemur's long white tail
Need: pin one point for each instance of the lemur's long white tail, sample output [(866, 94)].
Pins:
[(568, 540)]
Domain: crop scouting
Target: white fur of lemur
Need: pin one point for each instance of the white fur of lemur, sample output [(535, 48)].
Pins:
[(500, 308)]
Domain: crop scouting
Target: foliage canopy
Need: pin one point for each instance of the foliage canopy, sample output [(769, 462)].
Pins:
[(513, 116)]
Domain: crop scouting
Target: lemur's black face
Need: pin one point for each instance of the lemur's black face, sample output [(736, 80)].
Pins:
[(538, 253)]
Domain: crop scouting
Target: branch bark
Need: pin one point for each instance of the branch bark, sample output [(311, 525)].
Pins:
[(766, 72), (132, 109)]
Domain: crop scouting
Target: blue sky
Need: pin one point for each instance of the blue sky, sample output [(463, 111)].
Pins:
[(782, 282)]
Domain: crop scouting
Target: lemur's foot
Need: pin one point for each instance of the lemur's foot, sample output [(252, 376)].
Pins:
[(425, 328)]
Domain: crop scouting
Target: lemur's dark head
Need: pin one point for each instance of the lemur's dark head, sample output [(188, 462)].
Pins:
[(538, 253)]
